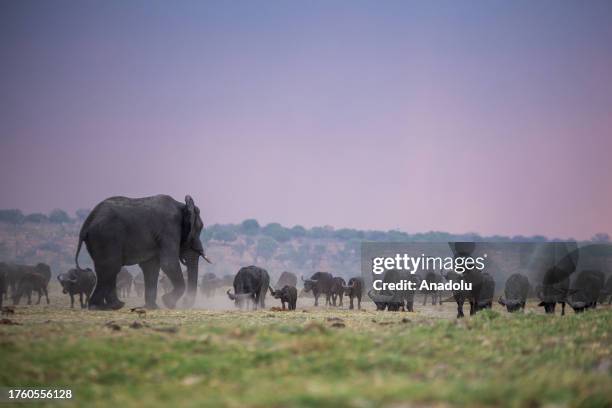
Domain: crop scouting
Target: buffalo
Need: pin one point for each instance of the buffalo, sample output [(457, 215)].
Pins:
[(606, 292), (288, 294), (29, 282), (337, 290), (124, 283), (395, 300), (432, 278), (286, 279), (209, 284), (487, 291), (139, 284), (553, 291), (353, 290), (14, 272), (250, 283), (480, 296), (78, 281), (319, 283), (585, 290), (515, 293)]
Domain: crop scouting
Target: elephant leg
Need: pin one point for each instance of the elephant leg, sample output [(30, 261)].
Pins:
[(150, 271), (104, 296), (172, 269)]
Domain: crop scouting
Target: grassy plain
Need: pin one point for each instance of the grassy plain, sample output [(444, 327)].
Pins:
[(311, 357)]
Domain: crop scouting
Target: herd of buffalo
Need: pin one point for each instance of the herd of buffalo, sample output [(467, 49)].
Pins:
[(248, 288), (159, 233)]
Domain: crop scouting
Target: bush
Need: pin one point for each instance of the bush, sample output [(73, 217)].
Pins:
[(59, 217), (249, 227), (266, 247), (82, 213), (277, 232), (225, 233), (36, 218), (13, 216)]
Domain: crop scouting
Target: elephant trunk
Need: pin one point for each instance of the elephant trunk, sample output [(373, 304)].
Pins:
[(191, 261)]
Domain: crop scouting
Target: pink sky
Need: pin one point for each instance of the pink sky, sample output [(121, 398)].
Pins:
[(492, 117)]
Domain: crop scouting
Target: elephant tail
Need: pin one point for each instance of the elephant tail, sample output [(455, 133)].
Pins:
[(76, 257), (82, 236)]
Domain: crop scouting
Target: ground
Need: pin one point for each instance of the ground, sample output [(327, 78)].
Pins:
[(311, 357)]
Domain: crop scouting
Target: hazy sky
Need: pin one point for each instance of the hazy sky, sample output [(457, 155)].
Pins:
[(493, 116)]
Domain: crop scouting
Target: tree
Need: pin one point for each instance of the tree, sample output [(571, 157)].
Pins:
[(82, 213), (249, 227), (266, 247), (58, 216), (277, 232), (13, 216), (36, 218), (601, 237), (298, 231), (224, 233)]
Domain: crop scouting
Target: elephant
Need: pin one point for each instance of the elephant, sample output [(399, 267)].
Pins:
[(153, 232)]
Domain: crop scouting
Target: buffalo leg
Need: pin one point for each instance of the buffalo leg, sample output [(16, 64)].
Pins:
[(424, 299), (460, 308), (351, 303), (39, 296), (46, 295), (359, 302), (71, 300), (81, 299), (562, 308)]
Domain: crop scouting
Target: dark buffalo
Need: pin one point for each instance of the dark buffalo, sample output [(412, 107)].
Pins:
[(337, 290), (286, 279), (487, 292), (606, 292), (29, 282), (553, 291), (78, 281), (14, 272), (396, 300), (585, 290), (436, 297), (353, 290), (139, 284), (319, 283), (209, 284), (515, 293), (124, 283), (250, 283), (478, 281), (288, 294)]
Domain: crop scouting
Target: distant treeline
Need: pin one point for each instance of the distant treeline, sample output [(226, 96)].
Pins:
[(230, 232)]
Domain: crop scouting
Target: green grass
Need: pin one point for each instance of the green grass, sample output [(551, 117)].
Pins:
[(266, 358)]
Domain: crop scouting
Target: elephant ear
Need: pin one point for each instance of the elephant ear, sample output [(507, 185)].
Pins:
[(190, 217)]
